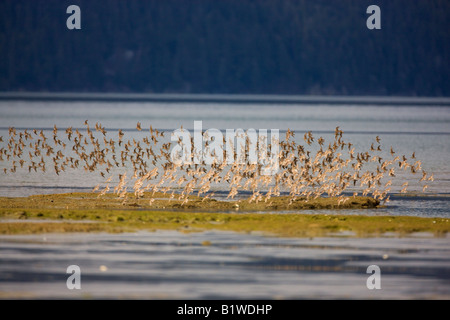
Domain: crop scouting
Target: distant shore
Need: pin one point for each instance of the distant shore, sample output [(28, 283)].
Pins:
[(226, 98)]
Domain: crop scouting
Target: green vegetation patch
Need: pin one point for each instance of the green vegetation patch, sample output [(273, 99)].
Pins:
[(86, 213), (151, 201)]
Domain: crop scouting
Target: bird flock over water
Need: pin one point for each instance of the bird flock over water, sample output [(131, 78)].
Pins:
[(133, 168)]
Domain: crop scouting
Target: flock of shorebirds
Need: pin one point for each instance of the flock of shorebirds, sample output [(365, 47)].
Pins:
[(330, 170)]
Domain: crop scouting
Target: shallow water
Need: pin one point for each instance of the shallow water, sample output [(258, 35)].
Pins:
[(422, 129), (172, 265)]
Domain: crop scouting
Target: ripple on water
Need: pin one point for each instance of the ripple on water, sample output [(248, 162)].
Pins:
[(169, 264)]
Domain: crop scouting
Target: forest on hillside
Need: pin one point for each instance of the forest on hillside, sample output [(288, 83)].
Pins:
[(232, 46)]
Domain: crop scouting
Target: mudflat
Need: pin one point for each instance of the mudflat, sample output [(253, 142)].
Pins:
[(86, 212)]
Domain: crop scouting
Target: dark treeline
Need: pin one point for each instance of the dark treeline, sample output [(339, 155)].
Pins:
[(227, 46)]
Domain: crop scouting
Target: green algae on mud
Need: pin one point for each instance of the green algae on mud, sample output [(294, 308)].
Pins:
[(163, 201), (83, 212)]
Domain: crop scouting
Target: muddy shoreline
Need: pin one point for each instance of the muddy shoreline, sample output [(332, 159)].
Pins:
[(76, 212)]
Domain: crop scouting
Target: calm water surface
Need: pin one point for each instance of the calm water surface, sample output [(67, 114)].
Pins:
[(170, 265)]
